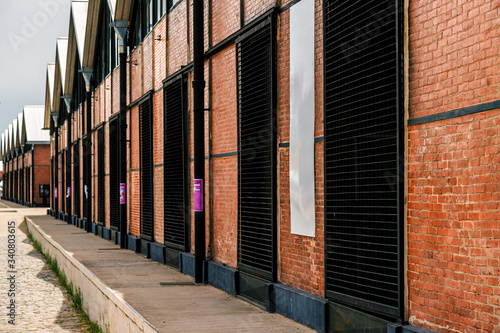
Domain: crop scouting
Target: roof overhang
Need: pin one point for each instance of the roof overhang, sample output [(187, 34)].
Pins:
[(60, 72), (76, 41), (49, 93)]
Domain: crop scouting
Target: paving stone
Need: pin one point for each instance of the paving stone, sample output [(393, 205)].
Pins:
[(41, 302)]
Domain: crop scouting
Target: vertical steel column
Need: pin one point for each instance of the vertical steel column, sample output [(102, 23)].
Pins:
[(121, 28), (87, 75), (56, 165), (67, 100), (199, 134)]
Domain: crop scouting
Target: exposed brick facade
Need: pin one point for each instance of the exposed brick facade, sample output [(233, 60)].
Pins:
[(453, 184), (453, 230)]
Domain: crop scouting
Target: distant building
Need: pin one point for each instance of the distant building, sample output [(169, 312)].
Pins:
[(26, 155)]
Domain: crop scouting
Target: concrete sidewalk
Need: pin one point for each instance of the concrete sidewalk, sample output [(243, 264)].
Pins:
[(127, 292)]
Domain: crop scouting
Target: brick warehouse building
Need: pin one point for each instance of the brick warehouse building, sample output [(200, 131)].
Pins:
[(25, 154), (350, 151)]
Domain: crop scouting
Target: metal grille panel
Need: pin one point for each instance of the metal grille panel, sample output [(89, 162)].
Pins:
[(146, 145), (114, 181), (76, 177), (255, 67), (362, 153), (62, 184), (86, 156), (175, 206), (101, 195)]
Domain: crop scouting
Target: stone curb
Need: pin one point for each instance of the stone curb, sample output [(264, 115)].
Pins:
[(108, 308)]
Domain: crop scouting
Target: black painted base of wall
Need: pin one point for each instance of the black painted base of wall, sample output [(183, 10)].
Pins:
[(94, 228), (134, 243), (222, 277), (157, 252), (300, 306), (186, 263), (37, 205), (398, 328), (144, 249), (116, 237), (106, 233), (172, 258)]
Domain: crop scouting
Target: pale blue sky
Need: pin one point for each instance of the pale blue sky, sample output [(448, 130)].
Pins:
[(29, 29)]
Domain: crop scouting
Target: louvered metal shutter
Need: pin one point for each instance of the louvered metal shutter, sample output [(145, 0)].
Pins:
[(86, 156), (257, 153), (101, 195), (146, 145), (114, 176), (62, 184), (76, 177), (363, 153), (16, 184), (175, 162), (68, 181), (22, 185)]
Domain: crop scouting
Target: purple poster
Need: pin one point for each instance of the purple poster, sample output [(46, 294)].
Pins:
[(55, 192), (198, 195), (123, 191), (68, 192)]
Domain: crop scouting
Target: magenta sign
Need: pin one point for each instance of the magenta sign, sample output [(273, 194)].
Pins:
[(55, 192), (123, 195), (68, 192), (198, 195)]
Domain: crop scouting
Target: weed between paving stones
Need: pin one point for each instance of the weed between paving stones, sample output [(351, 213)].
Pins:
[(75, 294)]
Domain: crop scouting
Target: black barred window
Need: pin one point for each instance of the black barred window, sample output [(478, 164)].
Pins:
[(100, 177), (175, 166), (114, 175), (146, 151), (257, 153), (363, 85)]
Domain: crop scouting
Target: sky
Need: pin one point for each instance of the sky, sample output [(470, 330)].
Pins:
[(29, 29)]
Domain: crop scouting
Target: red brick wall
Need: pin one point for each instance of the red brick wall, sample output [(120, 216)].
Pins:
[(453, 55), (158, 163), (177, 50), (301, 258), (134, 185), (453, 223), (255, 8), (453, 184), (225, 19), (225, 170), (41, 170)]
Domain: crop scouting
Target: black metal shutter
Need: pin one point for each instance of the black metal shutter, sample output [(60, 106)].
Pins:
[(62, 188), (146, 151), (257, 151), (363, 153), (76, 177), (22, 185), (16, 184), (85, 151), (100, 177), (175, 162), (114, 181)]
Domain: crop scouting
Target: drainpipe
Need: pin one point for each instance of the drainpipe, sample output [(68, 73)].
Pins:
[(121, 28), (87, 76), (55, 116), (199, 138), (67, 100)]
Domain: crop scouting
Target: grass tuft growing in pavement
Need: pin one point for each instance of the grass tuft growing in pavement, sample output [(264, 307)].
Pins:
[(75, 294)]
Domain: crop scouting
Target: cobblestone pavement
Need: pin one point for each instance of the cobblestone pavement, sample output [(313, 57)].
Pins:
[(41, 304)]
